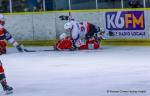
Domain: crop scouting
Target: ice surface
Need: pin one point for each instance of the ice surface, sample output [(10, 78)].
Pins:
[(79, 73)]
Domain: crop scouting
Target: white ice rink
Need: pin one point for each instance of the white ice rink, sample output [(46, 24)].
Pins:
[(123, 70)]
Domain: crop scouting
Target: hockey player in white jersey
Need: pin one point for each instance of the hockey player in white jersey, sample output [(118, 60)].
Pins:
[(74, 28), (84, 34)]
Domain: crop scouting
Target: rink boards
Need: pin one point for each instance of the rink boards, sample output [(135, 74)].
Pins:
[(47, 25)]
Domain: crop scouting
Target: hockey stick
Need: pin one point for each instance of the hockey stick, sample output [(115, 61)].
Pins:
[(26, 50), (70, 16)]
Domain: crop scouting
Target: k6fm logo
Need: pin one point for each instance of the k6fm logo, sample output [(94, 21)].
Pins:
[(125, 20)]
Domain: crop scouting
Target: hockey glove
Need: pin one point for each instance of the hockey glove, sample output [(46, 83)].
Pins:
[(19, 48), (62, 17)]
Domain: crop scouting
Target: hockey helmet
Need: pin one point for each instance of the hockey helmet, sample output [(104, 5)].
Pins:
[(62, 36), (68, 25)]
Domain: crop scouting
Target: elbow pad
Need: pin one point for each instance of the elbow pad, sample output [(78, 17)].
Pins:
[(10, 39), (7, 35)]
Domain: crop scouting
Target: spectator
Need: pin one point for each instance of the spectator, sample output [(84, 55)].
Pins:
[(135, 4), (49, 4), (31, 5), (19, 6), (5, 5), (35, 5), (39, 5)]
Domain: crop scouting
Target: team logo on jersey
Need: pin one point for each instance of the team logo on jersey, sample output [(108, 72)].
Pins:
[(125, 20)]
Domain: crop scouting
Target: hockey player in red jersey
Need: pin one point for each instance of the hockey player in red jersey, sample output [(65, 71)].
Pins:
[(3, 81), (91, 34), (64, 43), (92, 43), (5, 35)]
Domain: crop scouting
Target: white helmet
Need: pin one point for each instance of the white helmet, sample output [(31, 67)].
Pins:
[(1, 17), (68, 25), (62, 36)]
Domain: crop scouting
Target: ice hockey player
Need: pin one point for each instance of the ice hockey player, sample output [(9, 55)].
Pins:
[(3, 81), (5, 35), (64, 43), (84, 35)]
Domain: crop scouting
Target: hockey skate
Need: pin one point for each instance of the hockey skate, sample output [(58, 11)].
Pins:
[(6, 88)]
